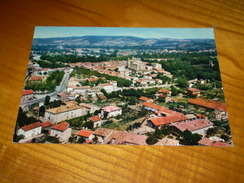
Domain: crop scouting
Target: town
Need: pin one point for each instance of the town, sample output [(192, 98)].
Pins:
[(123, 95)]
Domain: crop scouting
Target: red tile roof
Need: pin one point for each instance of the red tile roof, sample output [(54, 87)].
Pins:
[(92, 79), (205, 142), (193, 125), (201, 116), (144, 98), (31, 126), (85, 133), (168, 119), (151, 105), (46, 124), (208, 104), (95, 118), (163, 91), (208, 142), (61, 126), (102, 132), (111, 108), (27, 92), (119, 137), (36, 78), (193, 90), (221, 144)]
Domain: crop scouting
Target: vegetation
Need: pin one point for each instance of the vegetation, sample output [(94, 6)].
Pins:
[(50, 84)]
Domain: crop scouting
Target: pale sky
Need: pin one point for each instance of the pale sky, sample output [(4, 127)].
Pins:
[(176, 33)]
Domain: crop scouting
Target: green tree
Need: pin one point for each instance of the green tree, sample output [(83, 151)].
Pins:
[(182, 82), (42, 111), (47, 100), (151, 139), (81, 140), (189, 138)]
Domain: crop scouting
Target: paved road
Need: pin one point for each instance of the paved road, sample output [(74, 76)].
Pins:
[(41, 98), (146, 87)]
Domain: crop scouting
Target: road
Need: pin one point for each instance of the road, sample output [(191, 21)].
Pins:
[(41, 98), (146, 87)]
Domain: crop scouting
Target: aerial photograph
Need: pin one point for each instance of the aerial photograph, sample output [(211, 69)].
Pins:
[(123, 86)]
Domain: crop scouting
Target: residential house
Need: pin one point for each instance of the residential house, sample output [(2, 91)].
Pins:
[(199, 126), (168, 142), (102, 134), (165, 92), (219, 109), (46, 126), (81, 89), (62, 113), (86, 134), (27, 95), (30, 130), (97, 121), (144, 99), (89, 107), (61, 131), (193, 92), (209, 142), (126, 138), (36, 79), (111, 111)]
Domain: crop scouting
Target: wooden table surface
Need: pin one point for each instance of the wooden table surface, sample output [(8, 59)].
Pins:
[(93, 163)]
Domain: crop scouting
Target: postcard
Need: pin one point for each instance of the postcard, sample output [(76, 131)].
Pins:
[(123, 86)]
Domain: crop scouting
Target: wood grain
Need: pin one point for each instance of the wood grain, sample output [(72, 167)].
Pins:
[(94, 163)]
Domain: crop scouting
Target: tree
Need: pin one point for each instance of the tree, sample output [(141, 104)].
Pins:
[(182, 82), (47, 100), (42, 111), (190, 138), (81, 140), (88, 125), (151, 139)]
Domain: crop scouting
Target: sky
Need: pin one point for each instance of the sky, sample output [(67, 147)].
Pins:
[(176, 33)]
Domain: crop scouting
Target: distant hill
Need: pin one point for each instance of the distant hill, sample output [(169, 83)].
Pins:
[(126, 41)]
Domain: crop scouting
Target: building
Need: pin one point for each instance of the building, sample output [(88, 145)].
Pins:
[(86, 134), (165, 92), (209, 142), (46, 126), (111, 111), (81, 89), (193, 92), (219, 109), (158, 122), (27, 95), (61, 131), (102, 134), (168, 142), (97, 121), (64, 112), (30, 130), (199, 126), (90, 108), (126, 138), (36, 79), (144, 99), (136, 64)]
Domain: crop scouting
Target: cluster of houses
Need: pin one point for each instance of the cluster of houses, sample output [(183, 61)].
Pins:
[(134, 69)]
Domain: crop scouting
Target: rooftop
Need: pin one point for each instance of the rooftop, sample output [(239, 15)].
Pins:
[(144, 98), (31, 126), (36, 78), (111, 108), (61, 109), (46, 124), (193, 125), (193, 90), (95, 118), (208, 104), (168, 119), (102, 132), (61, 126), (27, 92), (85, 133)]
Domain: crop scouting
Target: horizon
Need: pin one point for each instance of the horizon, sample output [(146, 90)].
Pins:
[(146, 33)]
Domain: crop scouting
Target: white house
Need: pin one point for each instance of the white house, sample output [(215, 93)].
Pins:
[(27, 95), (90, 108), (97, 121), (87, 134), (61, 131), (81, 89), (64, 112), (30, 130), (110, 111)]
